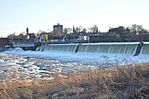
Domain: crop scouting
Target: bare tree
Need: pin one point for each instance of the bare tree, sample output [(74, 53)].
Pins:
[(137, 29), (84, 30), (67, 30), (94, 29), (78, 29)]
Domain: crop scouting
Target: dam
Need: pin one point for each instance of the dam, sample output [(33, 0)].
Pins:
[(129, 48), (145, 49), (68, 58), (97, 54)]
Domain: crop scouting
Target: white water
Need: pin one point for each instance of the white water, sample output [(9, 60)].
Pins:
[(34, 64), (83, 57)]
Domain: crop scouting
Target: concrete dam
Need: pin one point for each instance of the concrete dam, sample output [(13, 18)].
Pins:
[(130, 48)]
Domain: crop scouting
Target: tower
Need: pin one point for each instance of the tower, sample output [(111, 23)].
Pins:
[(27, 30), (58, 30)]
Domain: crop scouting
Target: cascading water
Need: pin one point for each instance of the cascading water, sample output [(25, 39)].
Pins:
[(112, 48), (115, 48), (145, 49), (74, 57), (61, 47)]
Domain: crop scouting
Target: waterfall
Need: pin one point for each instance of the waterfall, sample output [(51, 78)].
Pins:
[(61, 47), (145, 48), (131, 48), (112, 48)]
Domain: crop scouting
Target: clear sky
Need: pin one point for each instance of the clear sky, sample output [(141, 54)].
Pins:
[(16, 15)]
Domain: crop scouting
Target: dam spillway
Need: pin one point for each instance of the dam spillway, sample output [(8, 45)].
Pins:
[(130, 48), (61, 47), (109, 48), (145, 49), (74, 57), (96, 54)]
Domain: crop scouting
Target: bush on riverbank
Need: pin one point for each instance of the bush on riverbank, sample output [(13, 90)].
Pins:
[(130, 82)]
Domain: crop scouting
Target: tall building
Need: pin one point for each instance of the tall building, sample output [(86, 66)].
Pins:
[(58, 30)]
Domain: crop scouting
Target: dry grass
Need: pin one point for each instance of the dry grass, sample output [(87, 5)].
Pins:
[(130, 82)]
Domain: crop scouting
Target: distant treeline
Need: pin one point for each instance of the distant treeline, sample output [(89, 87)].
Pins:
[(133, 33)]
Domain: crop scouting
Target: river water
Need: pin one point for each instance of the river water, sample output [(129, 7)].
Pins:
[(19, 64)]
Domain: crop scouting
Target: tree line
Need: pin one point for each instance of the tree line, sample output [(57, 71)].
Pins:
[(120, 33)]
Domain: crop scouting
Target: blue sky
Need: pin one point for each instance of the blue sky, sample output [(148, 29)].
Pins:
[(16, 15)]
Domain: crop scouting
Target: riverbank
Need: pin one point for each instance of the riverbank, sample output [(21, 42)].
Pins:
[(130, 82)]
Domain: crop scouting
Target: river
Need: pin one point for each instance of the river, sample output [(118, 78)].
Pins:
[(19, 64)]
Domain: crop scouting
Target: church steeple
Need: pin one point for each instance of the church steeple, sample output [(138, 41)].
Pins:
[(27, 30)]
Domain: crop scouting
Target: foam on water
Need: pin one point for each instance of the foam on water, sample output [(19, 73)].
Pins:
[(85, 58), (1, 61), (35, 64), (30, 64), (63, 59)]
